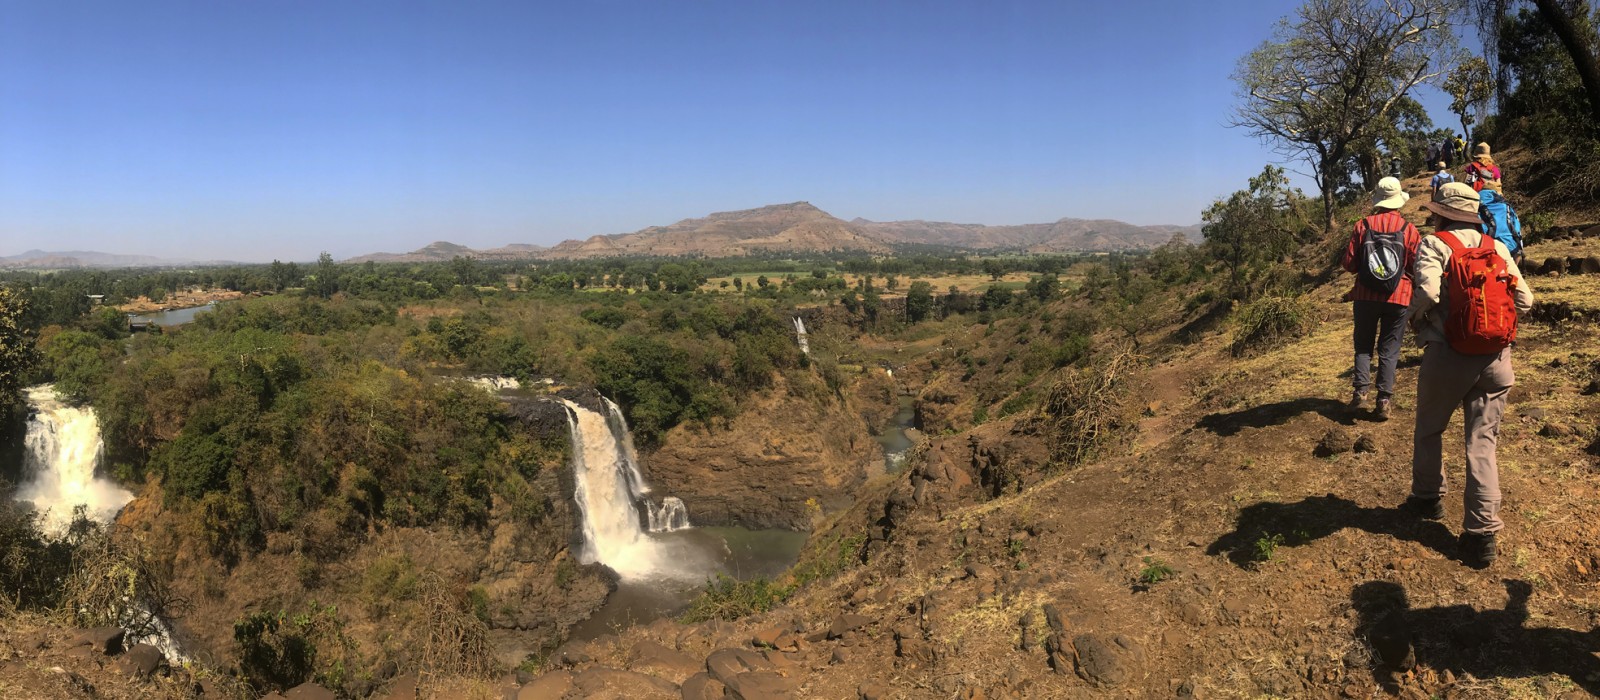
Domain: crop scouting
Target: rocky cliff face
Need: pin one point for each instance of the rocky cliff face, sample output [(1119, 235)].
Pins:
[(759, 471)]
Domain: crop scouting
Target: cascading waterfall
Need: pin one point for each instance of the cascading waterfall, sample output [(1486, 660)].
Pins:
[(63, 453), (800, 332), (667, 516), (610, 491)]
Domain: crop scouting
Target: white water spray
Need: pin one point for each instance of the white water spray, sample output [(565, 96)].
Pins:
[(800, 332), (609, 492), (63, 452)]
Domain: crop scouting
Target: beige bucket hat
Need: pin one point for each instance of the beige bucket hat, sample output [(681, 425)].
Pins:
[(1482, 149), (1456, 201), (1389, 195)]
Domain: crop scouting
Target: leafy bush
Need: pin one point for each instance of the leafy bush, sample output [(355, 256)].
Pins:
[(1269, 322), (728, 598)]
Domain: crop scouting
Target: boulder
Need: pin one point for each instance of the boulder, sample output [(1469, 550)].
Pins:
[(104, 640), (143, 661), (615, 684), (761, 685), (848, 622), (309, 691), (1589, 265), (1104, 662), (550, 686), (1553, 265), (652, 657), (724, 664), (701, 686)]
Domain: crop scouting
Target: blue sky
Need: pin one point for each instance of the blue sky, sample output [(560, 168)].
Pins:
[(260, 130)]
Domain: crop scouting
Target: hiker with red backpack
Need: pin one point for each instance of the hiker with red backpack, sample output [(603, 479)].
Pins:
[(1482, 173), (1381, 251), (1468, 294)]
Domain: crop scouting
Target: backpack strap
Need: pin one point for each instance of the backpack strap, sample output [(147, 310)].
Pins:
[(1450, 239)]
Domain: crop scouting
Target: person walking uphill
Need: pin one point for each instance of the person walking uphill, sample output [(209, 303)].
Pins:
[(1482, 173), (1381, 251), (1468, 295)]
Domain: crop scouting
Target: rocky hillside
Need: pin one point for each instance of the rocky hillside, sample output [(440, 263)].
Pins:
[(1240, 539), (796, 227)]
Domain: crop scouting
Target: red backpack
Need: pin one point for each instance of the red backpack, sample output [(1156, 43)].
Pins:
[(1483, 308)]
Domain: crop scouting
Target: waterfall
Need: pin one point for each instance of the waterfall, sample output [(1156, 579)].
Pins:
[(610, 492), (800, 332), (63, 453), (672, 515)]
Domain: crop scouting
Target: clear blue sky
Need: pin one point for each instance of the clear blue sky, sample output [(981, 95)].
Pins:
[(255, 130)]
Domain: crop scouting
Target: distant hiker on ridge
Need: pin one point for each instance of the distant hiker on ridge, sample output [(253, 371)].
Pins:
[(1441, 177), (1464, 312), (1381, 251), (1482, 172), (1460, 148)]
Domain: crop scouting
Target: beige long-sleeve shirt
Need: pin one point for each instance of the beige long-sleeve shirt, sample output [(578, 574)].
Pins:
[(1429, 299)]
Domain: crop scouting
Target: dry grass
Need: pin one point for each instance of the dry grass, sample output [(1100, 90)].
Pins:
[(455, 642)]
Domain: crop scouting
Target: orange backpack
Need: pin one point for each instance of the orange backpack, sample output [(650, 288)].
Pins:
[(1483, 307)]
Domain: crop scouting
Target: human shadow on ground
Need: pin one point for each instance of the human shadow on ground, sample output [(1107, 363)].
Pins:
[(1264, 527), (1487, 644), (1226, 424)]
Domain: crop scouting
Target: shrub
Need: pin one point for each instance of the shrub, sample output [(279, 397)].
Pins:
[(1269, 322), (1084, 409), (1154, 571), (728, 598)]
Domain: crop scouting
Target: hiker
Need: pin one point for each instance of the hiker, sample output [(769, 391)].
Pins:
[(1466, 362), (1460, 148), (1444, 151), (1381, 251), (1501, 222), (1482, 172), (1441, 177), (1394, 167)]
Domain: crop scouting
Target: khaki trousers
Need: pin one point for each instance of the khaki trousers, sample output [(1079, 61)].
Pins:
[(1479, 385)]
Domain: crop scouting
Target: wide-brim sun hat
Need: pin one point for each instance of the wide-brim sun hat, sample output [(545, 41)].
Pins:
[(1482, 149), (1390, 195), (1456, 201)]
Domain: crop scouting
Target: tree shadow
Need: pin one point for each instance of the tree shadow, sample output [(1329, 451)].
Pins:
[(1226, 424), (1487, 644), (1263, 527)]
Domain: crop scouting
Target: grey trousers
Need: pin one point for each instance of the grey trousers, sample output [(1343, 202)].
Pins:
[(1383, 323), (1479, 385)]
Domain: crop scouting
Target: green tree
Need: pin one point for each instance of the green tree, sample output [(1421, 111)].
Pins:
[(1252, 228), (1331, 74), (1470, 86), (17, 352), (919, 301)]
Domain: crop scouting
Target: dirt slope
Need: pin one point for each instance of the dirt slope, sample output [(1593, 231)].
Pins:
[(1273, 506)]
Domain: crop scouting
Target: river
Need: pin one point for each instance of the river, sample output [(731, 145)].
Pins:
[(174, 317)]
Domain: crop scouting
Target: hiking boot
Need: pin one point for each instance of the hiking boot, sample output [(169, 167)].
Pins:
[(1382, 411), (1426, 508), (1357, 400), (1478, 551)]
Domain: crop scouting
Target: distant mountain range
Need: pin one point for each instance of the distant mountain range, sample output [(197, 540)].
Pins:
[(797, 227), (40, 259), (440, 251), (800, 227)]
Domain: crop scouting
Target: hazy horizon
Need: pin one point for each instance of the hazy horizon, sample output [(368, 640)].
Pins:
[(248, 132)]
